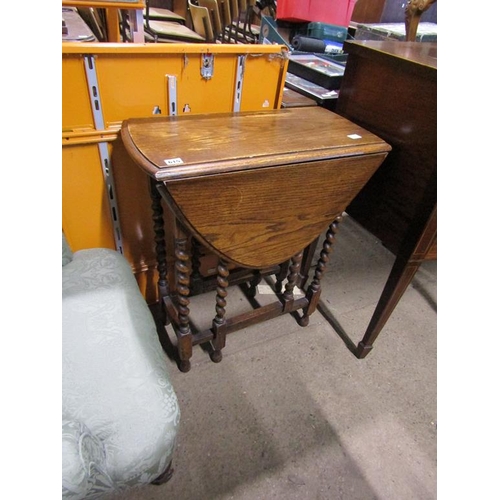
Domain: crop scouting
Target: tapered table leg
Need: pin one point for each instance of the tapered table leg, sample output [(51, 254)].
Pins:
[(415, 249), (401, 275)]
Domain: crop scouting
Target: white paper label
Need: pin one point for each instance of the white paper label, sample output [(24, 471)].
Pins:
[(354, 136), (173, 161)]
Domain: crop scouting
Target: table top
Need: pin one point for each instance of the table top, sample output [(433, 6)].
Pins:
[(406, 54), (256, 188), (171, 148)]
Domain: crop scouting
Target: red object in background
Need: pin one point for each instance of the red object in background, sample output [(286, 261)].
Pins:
[(337, 12)]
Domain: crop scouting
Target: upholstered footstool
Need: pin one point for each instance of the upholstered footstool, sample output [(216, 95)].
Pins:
[(120, 411)]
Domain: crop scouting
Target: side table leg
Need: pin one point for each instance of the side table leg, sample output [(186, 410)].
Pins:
[(196, 278), (314, 290), (160, 248), (281, 276), (306, 263), (184, 335), (254, 283), (400, 277), (414, 249), (219, 322), (291, 282)]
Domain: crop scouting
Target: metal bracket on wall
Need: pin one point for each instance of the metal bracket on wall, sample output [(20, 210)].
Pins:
[(172, 95), (136, 19), (207, 66), (239, 83), (107, 171)]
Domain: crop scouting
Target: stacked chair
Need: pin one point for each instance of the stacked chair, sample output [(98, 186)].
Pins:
[(224, 21), (206, 20), (210, 21), (163, 25), (241, 29)]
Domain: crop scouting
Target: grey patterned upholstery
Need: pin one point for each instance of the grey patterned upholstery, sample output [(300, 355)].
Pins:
[(120, 414)]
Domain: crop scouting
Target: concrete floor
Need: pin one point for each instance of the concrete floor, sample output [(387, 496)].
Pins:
[(290, 413)]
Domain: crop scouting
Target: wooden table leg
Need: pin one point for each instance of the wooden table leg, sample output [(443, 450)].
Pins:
[(306, 262), (219, 322), (254, 283), (292, 281), (281, 276), (416, 248), (196, 277), (401, 275), (160, 248), (183, 330), (314, 289)]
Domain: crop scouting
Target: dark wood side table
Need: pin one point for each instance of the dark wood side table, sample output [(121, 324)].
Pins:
[(255, 189), (390, 88)]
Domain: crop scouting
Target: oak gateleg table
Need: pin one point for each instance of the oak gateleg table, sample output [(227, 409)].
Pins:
[(255, 189)]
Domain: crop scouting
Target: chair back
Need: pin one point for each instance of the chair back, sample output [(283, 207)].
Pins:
[(202, 24), (225, 12), (213, 10)]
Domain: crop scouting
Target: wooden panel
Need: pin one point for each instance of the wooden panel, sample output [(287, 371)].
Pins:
[(368, 11), (85, 207), (249, 220), (406, 118), (76, 112)]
